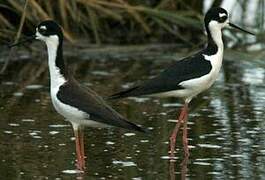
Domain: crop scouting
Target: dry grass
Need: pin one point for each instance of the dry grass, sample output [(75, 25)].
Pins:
[(99, 19), (114, 21)]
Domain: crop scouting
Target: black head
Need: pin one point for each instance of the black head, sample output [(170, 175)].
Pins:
[(217, 14), (217, 18), (47, 29)]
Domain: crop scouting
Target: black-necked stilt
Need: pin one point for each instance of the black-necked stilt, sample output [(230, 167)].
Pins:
[(190, 76), (82, 107)]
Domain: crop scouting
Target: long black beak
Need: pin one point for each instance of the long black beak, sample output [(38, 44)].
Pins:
[(236, 27), (23, 41)]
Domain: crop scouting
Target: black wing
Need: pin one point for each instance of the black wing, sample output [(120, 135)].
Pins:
[(88, 101), (185, 69)]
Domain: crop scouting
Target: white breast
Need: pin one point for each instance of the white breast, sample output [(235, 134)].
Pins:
[(198, 85), (71, 113), (57, 80), (195, 86)]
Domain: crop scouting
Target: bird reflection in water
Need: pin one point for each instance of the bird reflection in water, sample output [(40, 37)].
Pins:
[(183, 168), (80, 176)]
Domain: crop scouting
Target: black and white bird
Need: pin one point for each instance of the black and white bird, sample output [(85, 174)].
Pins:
[(190, 76), (81, 106)]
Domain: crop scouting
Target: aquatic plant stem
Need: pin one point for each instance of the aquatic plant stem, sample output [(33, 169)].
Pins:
[(22, 20)]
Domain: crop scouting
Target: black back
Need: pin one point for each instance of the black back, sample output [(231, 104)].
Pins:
[(185, 69)]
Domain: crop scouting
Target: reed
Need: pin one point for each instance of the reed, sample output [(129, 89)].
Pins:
[(97, 20), (116, 21)]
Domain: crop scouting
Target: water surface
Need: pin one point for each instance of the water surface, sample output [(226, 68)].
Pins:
[(226, 125)]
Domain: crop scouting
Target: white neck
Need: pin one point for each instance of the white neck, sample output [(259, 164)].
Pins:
[(216, 34), (56, 77)]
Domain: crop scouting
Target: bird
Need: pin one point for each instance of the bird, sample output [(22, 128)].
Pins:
[(78, 105), (189, 76)]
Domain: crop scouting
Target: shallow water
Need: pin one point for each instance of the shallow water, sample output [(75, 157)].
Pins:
[(226, 126)]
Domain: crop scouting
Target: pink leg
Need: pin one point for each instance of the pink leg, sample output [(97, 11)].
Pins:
[(79, 154), (184, 169), (172, 169), (173, 136), (82, 147), (185, 136)]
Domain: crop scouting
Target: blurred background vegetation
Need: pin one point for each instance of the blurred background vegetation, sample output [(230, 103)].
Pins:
[(121, 21), (158, 25), (101, 21)]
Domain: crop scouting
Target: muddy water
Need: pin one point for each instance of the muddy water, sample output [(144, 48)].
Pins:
[(226, 125)]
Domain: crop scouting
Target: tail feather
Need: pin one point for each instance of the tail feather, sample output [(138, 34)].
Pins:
[(132, 126), (123, 94)]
